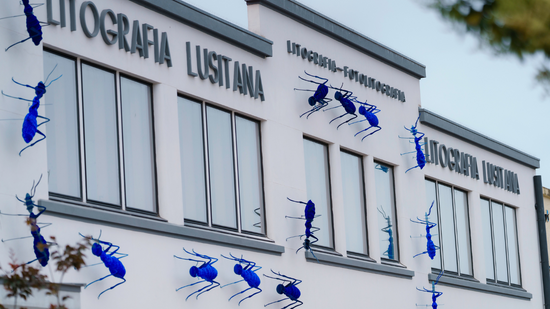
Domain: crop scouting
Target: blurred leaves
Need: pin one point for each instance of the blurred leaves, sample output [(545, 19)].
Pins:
[(517, 27)]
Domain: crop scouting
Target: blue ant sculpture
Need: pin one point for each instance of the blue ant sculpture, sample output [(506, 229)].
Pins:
[(435, 294), (248, 273), (319, 95), (431, 247), (113, 263), (40, 245), (346, 101), (30, 124), (33, 25), (309, 215), (420, 158), (205, 271), (369, 112), (289, 290), (387, 229)]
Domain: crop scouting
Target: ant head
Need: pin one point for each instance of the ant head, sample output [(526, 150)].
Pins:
[(238, 269), (40, 89), (362, 110), (280, 289), (306, 243), (310, 206), (193, 271), (97, 249), (311, 101), (338, 95)]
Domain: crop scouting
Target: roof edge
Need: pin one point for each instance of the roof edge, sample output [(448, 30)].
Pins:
[(443, 124), (211, 25), (343, 34)]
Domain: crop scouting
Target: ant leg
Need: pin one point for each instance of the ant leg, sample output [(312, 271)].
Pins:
[(276, 301), (295, 236), (5, 240), (189, 285), (87, 285), (304, 89), (371, 133), (9, 96), (47, 120), (43, 138), (411, 168), (332, 108), (297, 301), (362, 130), (114, 286), (239, 293), (12, 45), (404, 153), (250, 295), (210, 288), (349, 124), (301, 218), (337, 118), (420, 254), (221, 287), (354, 116)]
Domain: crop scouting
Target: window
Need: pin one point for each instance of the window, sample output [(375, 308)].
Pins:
[(453, 228), (387, 222), (318, 189), (112, 145), (500, 243), (221, 166), (354, 203)]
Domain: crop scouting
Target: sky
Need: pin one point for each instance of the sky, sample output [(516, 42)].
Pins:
[(465, 82)]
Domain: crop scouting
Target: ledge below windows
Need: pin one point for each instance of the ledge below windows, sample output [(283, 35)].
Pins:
[(340, 261), (474, 285), (139, 223)]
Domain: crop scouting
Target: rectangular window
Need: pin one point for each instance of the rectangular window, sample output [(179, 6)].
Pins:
[(115, 136), (387, 222), (354, 203), (453, 228), (318, 189), (500, 243), (221, 168)]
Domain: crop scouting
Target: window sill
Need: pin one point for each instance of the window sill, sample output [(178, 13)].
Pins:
[(144, 223), (474, 285), (357, 264)]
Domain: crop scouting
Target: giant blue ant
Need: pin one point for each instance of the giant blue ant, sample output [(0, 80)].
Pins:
[(113, 263), (369, 112), (289, 290), (40, 245), (248, 273), (435, 294), (346, 101), (309, 215), (30, 124), (205, 271), (33, 25), (318, 100), (388, 229), (430, 246), (420, 158)]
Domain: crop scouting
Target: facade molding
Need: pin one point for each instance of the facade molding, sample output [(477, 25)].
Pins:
[(211, 25), (128, 220), (474, 285), (345, 35), (450, 127), (340, 261)]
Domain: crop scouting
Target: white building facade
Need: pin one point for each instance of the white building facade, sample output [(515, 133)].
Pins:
[(172, 128)]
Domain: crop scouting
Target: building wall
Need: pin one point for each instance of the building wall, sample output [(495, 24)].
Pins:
[(151, 242)]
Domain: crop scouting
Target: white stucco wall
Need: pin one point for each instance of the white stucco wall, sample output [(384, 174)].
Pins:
[(153, 273)]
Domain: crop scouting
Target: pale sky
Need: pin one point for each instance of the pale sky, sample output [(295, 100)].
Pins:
[(494, 95)]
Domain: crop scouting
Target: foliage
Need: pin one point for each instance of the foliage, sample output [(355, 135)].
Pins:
[(24, 278), (517, 27)]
